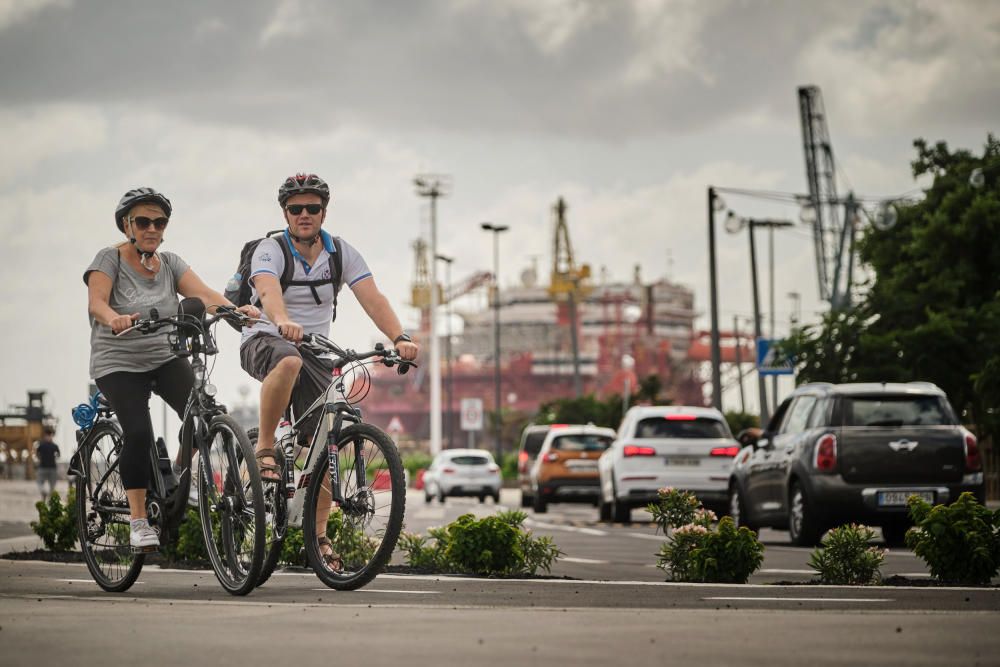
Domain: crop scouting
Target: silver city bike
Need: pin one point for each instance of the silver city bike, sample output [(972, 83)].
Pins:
[(341, 479)]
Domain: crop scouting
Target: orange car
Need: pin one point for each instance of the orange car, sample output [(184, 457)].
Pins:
[(566, 467)]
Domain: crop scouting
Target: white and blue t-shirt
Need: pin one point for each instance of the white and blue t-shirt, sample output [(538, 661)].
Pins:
[(299, 302)]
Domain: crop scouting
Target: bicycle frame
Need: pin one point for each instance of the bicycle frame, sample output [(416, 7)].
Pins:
[(332, 415)]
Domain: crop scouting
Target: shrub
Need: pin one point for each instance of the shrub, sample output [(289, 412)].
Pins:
[(845, 557), (673, 509), (352, 545), (56, 523), (414, 462), (960, 543), (696, 550), (293, 548), (495, 545)]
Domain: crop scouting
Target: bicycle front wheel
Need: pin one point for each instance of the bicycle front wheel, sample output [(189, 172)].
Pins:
[(231, 503), (102, 513), (363, 530)]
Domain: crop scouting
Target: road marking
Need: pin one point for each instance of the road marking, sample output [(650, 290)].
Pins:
[(585, 561), (570, 529), (644, 536), (763, 599), (385, 590), (781, 571)]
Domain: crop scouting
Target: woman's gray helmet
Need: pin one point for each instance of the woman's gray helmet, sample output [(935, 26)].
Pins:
[(301, 184), (140, 196)]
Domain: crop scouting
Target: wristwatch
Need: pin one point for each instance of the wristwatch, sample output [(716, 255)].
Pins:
[(401, 338)]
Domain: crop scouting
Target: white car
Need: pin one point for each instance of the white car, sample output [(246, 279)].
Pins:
[(462, 472), (689, 448)]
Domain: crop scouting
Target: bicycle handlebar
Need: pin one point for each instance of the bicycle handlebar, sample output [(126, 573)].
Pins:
[(155, 322), (390, 358)]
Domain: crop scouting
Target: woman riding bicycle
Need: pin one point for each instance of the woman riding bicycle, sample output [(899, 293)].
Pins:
[(125, 282)]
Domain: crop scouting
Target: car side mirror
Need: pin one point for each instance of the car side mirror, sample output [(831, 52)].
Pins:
[(764, 441)]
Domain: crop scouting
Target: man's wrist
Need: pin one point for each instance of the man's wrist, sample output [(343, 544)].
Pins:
[(403, 337)]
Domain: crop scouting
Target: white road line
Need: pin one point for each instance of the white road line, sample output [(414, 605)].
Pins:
[(568, 529), (644, 536), (763, 599), (586, 561), (385, 590), (781, 571)]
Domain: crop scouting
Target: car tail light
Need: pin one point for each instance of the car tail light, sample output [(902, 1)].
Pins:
[(825, 456), (725, 451), (493, 467), (680, 418), (636, 450), (448, 471), (551, 456), (973, 460), (522, 462), (559, 426)]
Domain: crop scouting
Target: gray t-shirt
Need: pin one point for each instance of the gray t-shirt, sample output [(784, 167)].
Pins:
[(299, 302), (132, 293)]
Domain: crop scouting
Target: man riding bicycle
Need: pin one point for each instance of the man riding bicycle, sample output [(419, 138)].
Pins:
[(269, 350)]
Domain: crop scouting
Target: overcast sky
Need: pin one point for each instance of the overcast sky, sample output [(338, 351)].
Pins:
[(628, 109)]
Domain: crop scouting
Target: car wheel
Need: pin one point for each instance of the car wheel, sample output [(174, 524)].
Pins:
[(803, 526), (603, 510), (539, 505), (482, 499), (737, 509), (440, 495), (428, 497), (525, 500), (496, 498), (894, 534), (620, 512)]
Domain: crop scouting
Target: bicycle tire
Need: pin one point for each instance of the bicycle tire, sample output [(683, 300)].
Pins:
[(231, 506), (275, 515), (370, 527), (103, 535)]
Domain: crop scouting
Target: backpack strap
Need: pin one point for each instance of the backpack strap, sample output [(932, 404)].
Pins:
[(336, 260)]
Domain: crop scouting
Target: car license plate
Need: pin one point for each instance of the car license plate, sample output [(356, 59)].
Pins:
[(899, 498), (682, 461)]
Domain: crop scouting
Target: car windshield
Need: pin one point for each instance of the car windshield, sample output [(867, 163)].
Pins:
[(581, 443), (896, 411), (470, 460), (661, 427), (533, 441)]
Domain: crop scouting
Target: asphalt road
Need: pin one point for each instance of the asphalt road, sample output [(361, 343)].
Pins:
[(618, 608)]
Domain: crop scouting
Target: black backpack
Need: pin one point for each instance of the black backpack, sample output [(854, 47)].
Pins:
[(239, 291)]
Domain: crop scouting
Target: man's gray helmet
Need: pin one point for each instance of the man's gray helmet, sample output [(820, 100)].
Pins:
[(301, 184), (140, 196)]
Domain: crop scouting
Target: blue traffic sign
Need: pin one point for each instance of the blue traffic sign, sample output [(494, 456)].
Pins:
[(769, 359)]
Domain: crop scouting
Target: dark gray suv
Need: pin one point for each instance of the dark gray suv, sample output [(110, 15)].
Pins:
[(835, 454)]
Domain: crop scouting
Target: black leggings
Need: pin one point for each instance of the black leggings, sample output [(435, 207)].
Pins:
[(128, 393)]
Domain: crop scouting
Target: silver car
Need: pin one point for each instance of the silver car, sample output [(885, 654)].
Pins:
[(462, 472)]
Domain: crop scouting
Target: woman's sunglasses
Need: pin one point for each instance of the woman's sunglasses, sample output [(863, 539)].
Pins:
[(143, 223), (296, 209)]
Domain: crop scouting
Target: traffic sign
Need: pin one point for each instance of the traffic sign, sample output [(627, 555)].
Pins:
[(472, 414), (769, 359), (395, 425)]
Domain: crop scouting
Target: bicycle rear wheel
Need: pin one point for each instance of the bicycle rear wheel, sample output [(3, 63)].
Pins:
[(102, 514), (275, 515), (364, 529), (231, 503)]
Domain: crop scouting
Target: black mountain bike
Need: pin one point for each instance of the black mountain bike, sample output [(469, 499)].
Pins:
[(346, 488), (230, 496)]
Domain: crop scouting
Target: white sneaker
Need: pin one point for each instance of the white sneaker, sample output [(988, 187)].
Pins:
[(142, 536)]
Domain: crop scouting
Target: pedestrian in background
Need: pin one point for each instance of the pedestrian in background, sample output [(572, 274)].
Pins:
[(46, 455)]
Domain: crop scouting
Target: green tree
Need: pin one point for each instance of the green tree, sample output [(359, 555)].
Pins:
[(932, 308)]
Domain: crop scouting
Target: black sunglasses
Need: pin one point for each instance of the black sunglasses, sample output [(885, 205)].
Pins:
[(143, 223), (296, 209)]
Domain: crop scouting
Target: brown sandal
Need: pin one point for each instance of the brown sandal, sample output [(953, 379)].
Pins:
[(333, 561), (260, 455)]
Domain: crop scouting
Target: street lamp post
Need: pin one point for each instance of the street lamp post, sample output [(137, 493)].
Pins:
[(450, 384), (496, 230), (432, 187), (713, 201)]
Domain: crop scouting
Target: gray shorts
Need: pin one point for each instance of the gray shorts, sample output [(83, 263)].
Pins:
[(262, 352), (45, 476)]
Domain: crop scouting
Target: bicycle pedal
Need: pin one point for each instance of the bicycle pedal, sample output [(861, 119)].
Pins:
[(145, 550)]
